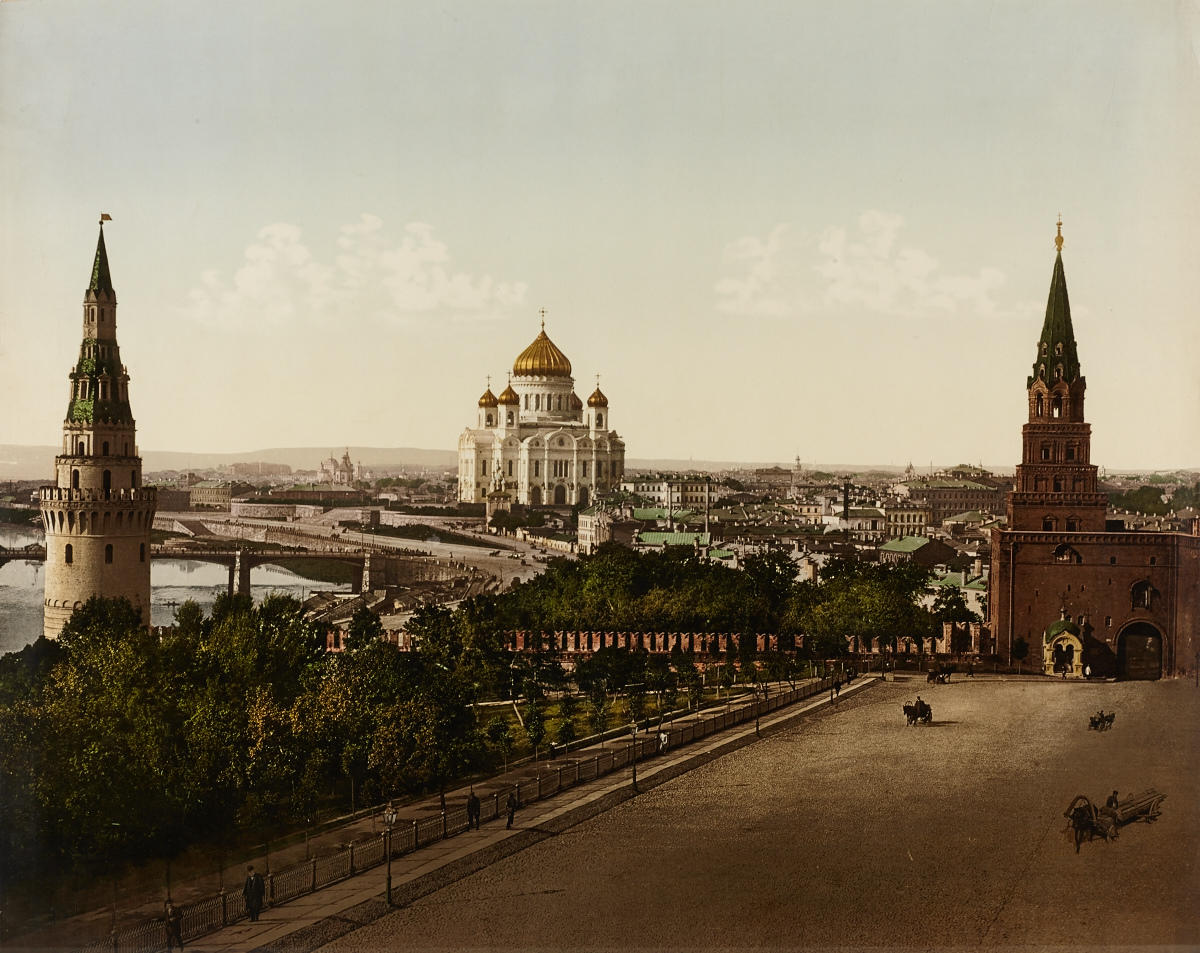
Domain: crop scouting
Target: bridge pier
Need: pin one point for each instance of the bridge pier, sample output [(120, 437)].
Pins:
[(239, 574)]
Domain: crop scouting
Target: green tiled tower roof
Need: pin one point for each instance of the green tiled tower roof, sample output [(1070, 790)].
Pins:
[(101, 279), (1056, 346)]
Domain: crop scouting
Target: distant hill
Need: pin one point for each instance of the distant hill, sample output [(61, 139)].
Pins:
[(21, 462)]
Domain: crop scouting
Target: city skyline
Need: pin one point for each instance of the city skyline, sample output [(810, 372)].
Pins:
[(803, 232)]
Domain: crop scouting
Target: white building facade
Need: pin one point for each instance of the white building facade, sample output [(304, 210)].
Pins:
[(538, 440)]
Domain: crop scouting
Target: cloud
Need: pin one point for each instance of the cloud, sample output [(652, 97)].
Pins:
[(371, 275), (868, 269)]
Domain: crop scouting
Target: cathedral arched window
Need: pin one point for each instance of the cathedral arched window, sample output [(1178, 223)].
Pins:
[(1045, 451), (1058, 485), (1040, 410), (1048, 524), (104, 449), (81, 450), (133, 478), (107, 480), (69, 554), (489, 420), (1043, 349), (1056, 407), (1058, 349), (1070, 453), (599, 420), (108, 553), (1072, 524), (74, 479), (509, 418)]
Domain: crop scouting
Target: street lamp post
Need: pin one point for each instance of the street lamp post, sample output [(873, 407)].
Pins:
[(389, 818), (633, 738)]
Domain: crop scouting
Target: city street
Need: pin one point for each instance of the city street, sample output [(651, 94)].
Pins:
[(849, 829)]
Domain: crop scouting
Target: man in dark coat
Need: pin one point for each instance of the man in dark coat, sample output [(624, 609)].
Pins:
[(473, 811), (511, 806), (252, 892)]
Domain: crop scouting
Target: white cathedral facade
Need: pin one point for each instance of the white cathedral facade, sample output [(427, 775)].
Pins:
[(538, 442)]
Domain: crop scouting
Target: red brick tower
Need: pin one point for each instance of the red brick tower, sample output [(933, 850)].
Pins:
[(1056, 481)]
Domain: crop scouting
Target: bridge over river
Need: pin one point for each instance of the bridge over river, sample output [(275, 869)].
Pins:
[(375, 569)]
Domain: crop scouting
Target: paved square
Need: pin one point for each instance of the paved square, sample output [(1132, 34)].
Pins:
[(851, 830)]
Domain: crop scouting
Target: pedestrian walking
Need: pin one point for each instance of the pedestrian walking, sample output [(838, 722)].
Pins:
[(472, 810), (253, 891), (174, 924), (511, 807)]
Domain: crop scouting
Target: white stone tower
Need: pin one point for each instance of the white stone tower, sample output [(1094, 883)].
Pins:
[(97, 515)]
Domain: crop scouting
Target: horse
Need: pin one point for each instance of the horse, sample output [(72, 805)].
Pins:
[(1100, 721), (920, 711)]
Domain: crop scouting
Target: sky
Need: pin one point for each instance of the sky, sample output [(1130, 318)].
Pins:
[(775, 230)]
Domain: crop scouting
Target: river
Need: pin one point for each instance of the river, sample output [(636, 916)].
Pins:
[(172, 582)]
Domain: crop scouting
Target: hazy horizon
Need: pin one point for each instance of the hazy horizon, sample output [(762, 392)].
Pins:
[(792, 229)]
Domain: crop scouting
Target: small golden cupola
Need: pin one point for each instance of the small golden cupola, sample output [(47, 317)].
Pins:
[(508, 396), (488, 399), (597, 399), (542, 358)]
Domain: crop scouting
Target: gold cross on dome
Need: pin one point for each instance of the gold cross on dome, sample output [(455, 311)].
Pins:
[(543, 314)]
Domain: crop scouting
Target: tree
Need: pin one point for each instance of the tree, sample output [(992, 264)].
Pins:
[(499, 736), (1020, 649), (535, 726), (365, 627)]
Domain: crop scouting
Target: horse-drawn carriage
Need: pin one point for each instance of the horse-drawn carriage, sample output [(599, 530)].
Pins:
[(918, 712), (1100, 721), (1085, 820), (940, 675)]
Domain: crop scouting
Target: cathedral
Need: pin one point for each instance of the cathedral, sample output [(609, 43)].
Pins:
[(1083, 595), (98, 515), (537, 443)]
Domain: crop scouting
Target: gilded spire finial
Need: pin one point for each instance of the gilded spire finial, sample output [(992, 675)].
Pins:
[(543, 314), (1058, 240)]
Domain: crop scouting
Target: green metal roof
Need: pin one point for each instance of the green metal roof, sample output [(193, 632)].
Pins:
[(101, 279), (905, 544), (1057, 330), (970, 516), (673, 539)]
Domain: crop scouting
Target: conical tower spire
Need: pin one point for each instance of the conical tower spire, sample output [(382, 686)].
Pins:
[(1057, 358), (101, 279)]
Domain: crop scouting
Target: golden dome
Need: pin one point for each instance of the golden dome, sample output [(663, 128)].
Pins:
[(598, 399), (508, 396), (542, 359), (488, 399), (576, 403)]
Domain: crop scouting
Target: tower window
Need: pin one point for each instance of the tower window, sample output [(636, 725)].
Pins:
[(1072, 526), (599, 420), (1058, 349), (108, 553), (1039, 405), (1043, 349), (489, 420), (81, 451), (1056, 407), (510, 468), (1045, 453), (74, 479), (1153, 560), (537, 468), (104, 451), (1108, 622), (1047, 524), (1141, 595), (68, 555), (509, 418), (142, 552), (1058, 485), (107, 480), (1112, 560), (1070, 453)]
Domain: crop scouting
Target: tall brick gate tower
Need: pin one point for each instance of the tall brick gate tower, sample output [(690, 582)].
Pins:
[(1085, 596), (97, 515)]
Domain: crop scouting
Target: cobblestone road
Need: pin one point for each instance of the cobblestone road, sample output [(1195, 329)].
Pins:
[(851, 830)]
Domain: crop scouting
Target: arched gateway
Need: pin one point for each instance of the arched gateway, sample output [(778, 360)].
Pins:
[(1139, 652)]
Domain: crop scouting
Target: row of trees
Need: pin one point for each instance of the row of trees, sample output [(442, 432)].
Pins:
[(116, 743)]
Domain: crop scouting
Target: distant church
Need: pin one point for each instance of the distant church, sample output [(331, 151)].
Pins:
[(1082, 595), (537, 443), (98, 515)]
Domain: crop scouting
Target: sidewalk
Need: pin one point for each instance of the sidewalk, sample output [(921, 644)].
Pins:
[(314, 919)]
